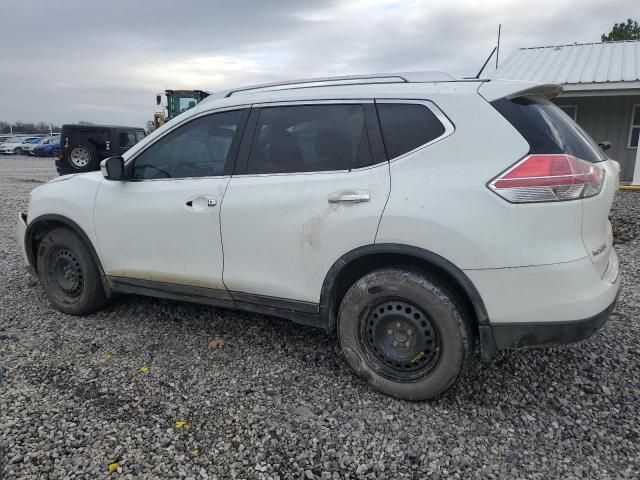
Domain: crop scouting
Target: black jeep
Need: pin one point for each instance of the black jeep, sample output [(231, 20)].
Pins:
[(83, 147)]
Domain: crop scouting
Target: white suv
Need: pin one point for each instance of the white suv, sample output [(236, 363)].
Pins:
[(414, 214)]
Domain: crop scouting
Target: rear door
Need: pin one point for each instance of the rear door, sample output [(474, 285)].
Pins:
[(311, 185)]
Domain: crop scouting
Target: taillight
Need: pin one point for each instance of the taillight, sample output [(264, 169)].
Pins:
[(61, 153), (549, 178)]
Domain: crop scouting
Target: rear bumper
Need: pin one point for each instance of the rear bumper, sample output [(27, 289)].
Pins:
[(546, 305), (515, 336)]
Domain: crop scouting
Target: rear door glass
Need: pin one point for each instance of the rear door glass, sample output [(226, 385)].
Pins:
[(547, 129), (309, 138)]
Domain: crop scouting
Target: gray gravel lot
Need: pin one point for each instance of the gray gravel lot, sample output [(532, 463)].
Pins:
[(278, 401)]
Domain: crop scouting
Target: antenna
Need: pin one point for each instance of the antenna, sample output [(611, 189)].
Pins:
[(498, 46), (486, 61)]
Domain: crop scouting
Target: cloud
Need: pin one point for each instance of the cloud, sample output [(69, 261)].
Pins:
[(104, 61)]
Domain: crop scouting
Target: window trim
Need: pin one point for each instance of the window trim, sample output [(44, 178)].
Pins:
[(574, 118), (244, 152), (632, 126), (449, 127), (130, 162)]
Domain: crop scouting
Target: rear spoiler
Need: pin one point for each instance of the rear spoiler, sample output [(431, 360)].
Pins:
[(496, 89)]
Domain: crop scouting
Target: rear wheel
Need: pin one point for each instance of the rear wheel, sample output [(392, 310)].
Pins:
[(68, 273), (404, 334), (54, 153), (18, 151), (83, 157)]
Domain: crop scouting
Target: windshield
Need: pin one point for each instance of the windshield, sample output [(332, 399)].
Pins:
[(178, 103), (15, 140)]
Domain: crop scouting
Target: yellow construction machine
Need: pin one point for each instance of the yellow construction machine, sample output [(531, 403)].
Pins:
[(177, 101)]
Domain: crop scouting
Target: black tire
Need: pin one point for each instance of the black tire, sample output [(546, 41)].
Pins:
[(82, 157), (68, 274), (54, 153), (18, 151), (404, 334)]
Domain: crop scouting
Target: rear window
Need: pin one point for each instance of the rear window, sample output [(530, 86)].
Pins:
[(406, 126), (547, 129)]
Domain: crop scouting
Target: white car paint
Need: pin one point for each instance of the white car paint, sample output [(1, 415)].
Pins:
[(146, 231), (291, 214), (11, 145), (277, 235)]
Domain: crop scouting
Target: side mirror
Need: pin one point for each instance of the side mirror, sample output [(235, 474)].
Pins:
[(158, 99), (113, 168), (604, 145)]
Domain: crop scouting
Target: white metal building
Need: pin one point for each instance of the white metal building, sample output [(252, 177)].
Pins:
[(602, 90)]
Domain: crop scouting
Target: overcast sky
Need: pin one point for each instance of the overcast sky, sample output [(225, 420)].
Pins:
[(103, 61)]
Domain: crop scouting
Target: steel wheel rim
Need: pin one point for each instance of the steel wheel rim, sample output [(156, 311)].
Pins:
[(402, 342), (79, 157), (65, 275)]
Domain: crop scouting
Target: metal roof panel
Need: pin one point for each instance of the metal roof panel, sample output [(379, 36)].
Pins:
[(586, 63)]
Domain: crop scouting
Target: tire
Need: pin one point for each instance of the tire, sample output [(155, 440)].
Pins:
[(82, 157), (18, 151), (68, 274), (404, 334), (54, 153)]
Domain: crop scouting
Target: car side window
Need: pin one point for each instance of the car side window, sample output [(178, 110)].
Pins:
[(309, 138), (406, 126), (126, 139), (139, 135), (200, 148)]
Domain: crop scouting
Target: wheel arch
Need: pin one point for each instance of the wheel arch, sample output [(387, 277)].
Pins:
[(362, 260), (39, 226)]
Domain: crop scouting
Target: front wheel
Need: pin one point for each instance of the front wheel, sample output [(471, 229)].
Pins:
[(69, 275), (404, 334)]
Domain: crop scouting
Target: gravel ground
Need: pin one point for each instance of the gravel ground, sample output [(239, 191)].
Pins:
[(276, 400)]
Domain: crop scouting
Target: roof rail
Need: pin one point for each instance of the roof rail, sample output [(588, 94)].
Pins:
[(404, 77)]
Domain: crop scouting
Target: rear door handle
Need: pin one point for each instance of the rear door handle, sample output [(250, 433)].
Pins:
[(349, 196)]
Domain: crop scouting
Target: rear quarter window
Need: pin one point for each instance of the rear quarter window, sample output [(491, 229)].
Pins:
[(547, 129), (407, 126)]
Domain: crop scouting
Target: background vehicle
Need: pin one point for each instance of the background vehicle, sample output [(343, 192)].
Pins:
[(413, 214), (48, 147), (13, 145), (177, 101), (83, 147), (4, 138), (29, 144)]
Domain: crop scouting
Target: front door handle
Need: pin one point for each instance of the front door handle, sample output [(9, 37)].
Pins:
[(201, 203), (349, 196)]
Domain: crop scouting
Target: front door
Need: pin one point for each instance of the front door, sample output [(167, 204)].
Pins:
[(312, 188), (162, 226)]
